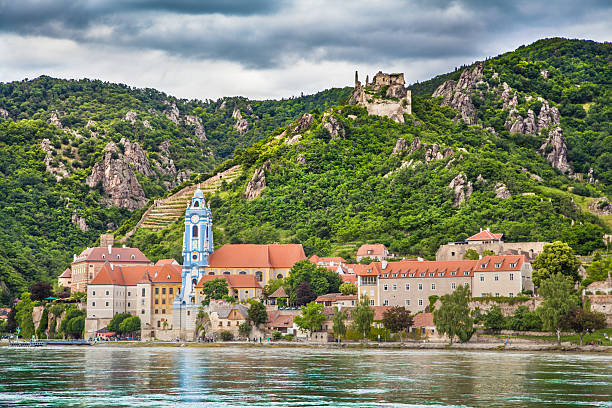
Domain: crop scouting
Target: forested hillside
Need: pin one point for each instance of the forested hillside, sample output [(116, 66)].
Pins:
[(59, 139), (446, 178)]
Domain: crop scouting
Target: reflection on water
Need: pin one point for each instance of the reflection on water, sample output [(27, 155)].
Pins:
[(260, 376)]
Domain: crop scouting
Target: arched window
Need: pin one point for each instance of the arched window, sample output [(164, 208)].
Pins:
[(194, 281), (259, 276), (196, 204), (279, 276), (194, 231)]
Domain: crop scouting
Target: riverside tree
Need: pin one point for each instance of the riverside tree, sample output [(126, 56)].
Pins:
[(559, 299), (453, 316), (397, 319), (214, 289), (363, 316), (582, 321), (257, 313), (338, 319), (311, 317), (555, 258)]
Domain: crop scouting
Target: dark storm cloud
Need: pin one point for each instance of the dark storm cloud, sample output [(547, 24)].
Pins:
[(268, 34)]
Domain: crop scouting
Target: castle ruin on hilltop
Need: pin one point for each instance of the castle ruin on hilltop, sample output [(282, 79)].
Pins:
[(386, 96)]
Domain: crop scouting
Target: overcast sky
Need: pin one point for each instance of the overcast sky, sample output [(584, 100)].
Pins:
[(272, 49)]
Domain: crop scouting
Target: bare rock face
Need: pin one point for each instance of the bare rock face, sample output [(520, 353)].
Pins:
[(396, 101), (241, 125), (131, 117), (199, 131), (457, 95), (433, 153), (136, 156), (172, 112), (147, 124), (544, 73), (4, 113), (54, 119), (501, 191), (300, 159), (293, 139), (79, 222), (335, 128), (415, 145), (165, 164), (223, 105), (59, 170), (400, 146), (592, 178), (601, 206), (555, 150), (548, 116), (481, 179), (257, 182), (462, 189), (117, 179), (303, 123)]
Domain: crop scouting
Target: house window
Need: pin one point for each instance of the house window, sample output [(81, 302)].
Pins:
[(511, 276), (394, 287), (157, 301), (496, 277), (453, 285), (420, 302), (163, 311), (407, 286), (158, 323), (106, 304), (142, 311), (385, 287), (371, 292), (466, 273), (93, 293), (170, 291), (510, 294), (496, 294), (481, 277), (420, 286), (433, 286), (194, 231), (372, 302), (512, 265), (142, 302), (386, 303), (133, 257), (497, 265), (163, 291), (407, 302), (258, 276), (107, 293), (453, 273), (129, 293), (452, 253), (163, 301), (93, 304), (156, 311), (157, 291), (129, 304), (143, 291)]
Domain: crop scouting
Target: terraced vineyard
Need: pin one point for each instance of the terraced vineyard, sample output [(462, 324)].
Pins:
[(164, 212)]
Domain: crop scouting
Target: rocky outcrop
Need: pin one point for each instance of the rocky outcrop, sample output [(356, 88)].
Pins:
[(462, 189), (79, 222), (303, 124), (457, 94), (601, 206), (117, 180), (241, 125), (165, 165), (4, 113), (131, 117), (501, 191), (300, 159), (172, 112), (257, 182), (396, 101), (293, 139), (400, 146), (415, 145), (592, 178), (334, 127), (54, 119), (198, 130), (57, 169), (533, 176), (136, 157), (555, 150)]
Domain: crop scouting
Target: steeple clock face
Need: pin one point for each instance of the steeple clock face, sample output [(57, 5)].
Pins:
[(195, 218)]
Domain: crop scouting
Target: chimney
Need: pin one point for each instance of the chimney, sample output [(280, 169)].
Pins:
[(480, 229), (74, 258), (110, 249), (112, 268), (420, 259)]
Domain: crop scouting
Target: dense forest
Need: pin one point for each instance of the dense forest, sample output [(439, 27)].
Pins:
[(330, 192)]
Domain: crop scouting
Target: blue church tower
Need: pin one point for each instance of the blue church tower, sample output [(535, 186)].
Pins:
[(197, 246)]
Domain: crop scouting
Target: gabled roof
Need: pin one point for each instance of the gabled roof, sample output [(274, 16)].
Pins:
[(423, 320), (170, 261), (132, 275), (334, 297), (372, 269), (119, 255), (256, 256), (280, 320), (485, 235), (279, 293), (496, 263), (346, 277), (66, 274), (233, 281), (430, 269), (376, 249), (379, 311)]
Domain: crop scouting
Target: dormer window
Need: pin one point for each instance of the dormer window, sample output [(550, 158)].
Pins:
[(498, 265), (513, 265), (395, 275), (386, 275), (440, 274), (103, 256), (432, 274), (483, 266), (412, 275), (133, 257), (453, 273), (118, 256), (403, 275), (422, 274), (196, 204), (466, 273)]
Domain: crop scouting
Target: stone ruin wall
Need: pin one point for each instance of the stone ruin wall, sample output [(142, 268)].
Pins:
[(454, 252)]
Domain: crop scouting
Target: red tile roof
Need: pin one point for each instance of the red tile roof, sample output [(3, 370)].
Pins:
[(379, 311), (432, 269), (256, 256), (346, 277), (170, 261), (132, 275), (500, 263), (119, 255), (485, 235), (66, 274), (377, 249), (280, 320), (371, 269), (423, 320), (326, 259), (334, 297), (233, 281)]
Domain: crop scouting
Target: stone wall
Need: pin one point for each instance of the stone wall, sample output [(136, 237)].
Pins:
[(602, 304), (453, 252)]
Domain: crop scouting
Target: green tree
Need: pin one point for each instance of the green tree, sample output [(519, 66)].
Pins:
[(244, 329), (257, 313), (320, 279), (524, 320), (471, 254), (115, 322), (311, 317), (25, 308), (559, 299), (582, 321), (338, 320), (555, 258), (73, 322), (494, 319), (487, 252), (304, 294), (397, 319), (130, 325), (363, 316), (348, 288), (214, 289), (453, 317)]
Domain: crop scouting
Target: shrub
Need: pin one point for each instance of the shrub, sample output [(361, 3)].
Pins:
[(226, 335), (288, 337), (276, 335)]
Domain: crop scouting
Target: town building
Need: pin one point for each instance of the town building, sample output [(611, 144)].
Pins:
[(373, 251), (337, 300), (485, 240), (65, 279), (368, 281), (424, 328), (227, 317), (240, 287), (88, 263), (327, 260)]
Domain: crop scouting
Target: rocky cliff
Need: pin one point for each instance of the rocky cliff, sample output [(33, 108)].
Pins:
[(257, 182), (384, 96)]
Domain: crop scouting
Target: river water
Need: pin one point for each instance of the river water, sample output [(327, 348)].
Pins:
[(299, 377)]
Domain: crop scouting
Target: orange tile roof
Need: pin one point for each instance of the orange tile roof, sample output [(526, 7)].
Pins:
[(379, 311), (132, 275), (233, 281), (256, 256), (430, 269), (346, 277), (316, 258), (377, 249), (170, 261), (280, 320), (66, 274), (99, 254), (371, 269), (334, 297), (505, 262), (423, 320), (485, 235)]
